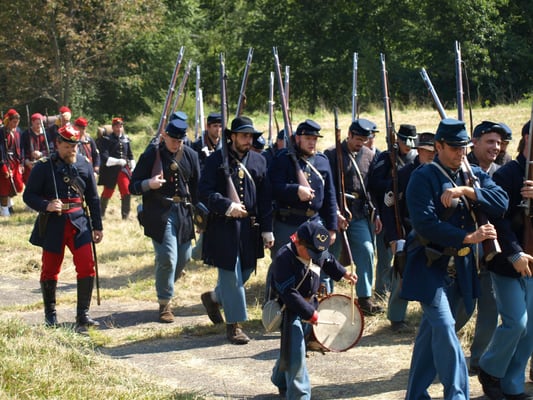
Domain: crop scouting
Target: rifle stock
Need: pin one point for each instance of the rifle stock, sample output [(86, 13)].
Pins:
[(231, 192), (491, 247), (300, 176)]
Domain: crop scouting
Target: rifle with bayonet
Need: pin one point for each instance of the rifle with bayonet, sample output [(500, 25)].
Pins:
[(181, 88), (300, 176), (157, 168), (242, 94), (354, 87), (231, 192), (199, 126), (392, 147), (270, 109)]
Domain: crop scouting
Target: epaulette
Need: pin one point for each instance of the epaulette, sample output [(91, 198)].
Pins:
[(43, 159)]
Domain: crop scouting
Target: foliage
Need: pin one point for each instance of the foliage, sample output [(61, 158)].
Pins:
[(112, 57)]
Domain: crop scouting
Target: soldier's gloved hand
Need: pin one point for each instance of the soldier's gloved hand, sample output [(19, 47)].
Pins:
[(132, 164)]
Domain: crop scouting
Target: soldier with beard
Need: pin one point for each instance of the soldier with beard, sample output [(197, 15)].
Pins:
[(237, 231), (57, 188)]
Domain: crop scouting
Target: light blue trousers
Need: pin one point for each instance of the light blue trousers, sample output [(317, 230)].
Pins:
[(170, 259), (296, 379), (437, 350), (362, 246), (509, 350), (230, 292)]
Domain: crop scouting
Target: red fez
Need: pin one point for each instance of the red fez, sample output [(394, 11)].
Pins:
[(81, 122), (11, 113), (117, 121), (64, 109), (37, 116), (69, 134)]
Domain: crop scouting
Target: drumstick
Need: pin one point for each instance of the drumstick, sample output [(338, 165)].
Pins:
[(323, 322)]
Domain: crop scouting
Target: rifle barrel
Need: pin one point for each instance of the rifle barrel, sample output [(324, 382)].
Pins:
[(431, 89), (354, 87), (459, 82)]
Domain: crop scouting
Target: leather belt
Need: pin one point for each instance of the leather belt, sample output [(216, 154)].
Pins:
[(298, 211), (178, 199), (452, 251)]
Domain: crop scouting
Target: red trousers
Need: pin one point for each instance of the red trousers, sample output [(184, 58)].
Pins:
[(82, 257), (123, 182)]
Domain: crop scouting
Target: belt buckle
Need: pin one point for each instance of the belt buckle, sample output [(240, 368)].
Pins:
[(176, 199), (464, 251), (309, 213), (355, 195), (65, 206)]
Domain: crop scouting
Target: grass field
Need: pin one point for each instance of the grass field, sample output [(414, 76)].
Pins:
[(38, 363)]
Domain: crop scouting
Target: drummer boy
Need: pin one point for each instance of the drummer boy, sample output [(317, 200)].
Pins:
[(296, 278)]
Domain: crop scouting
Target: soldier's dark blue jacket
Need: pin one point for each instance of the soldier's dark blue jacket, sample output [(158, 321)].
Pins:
[(40, 191), (431, 222), (510, 229), (282, 174), (288, 271), (381, 175), (227, 237), (357, 203), (388, 217), (157, 204), (113, 146)]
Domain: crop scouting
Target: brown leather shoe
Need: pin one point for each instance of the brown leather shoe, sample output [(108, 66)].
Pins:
[(165, 313), (368, 307), (236, 335), (212, 308)]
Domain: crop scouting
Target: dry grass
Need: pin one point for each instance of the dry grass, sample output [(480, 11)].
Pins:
[(126, 271)]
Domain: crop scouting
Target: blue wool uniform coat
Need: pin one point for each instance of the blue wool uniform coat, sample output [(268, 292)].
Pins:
[(226, 237), (427, 183), (40, 191), (510, 229), (157, 204), (288, 271), (282, 174), (113, 146)]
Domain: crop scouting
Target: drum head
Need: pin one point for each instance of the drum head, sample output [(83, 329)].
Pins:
[(340, 326)]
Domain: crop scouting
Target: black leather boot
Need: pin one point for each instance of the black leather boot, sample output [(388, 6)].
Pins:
[(125, 204), (48, 288), (103, 205), (85, 292)]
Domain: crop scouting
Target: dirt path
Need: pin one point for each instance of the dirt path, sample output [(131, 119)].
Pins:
[(376, 368)]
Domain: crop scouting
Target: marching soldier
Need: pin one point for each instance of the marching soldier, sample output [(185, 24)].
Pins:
[(356, 161), (116, 165), (397, 307), (237, 231), (210, 139), (11, 167), (167, 208), (503, 364), (87, 147), (296, 203), (380, 180), (440, 271), (57, 188), (34, 144)]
